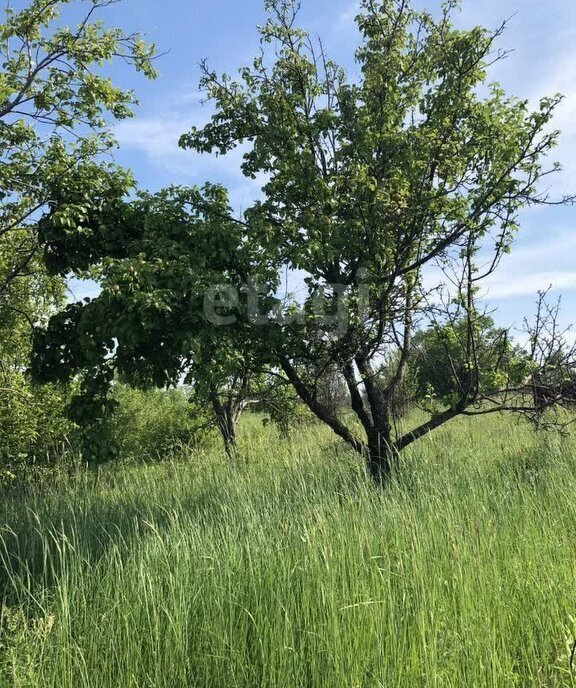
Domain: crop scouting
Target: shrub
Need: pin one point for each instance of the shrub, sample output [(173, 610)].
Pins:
[(148, 425), (33, 426)]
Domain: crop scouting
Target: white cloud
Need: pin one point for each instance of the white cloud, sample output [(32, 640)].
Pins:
[(529, 284), (346, 18), (528, 269), (553, 249), (157, 136), (534, 267), (543, 63)]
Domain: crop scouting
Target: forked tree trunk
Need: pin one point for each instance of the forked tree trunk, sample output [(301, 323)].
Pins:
[(227, 415), (373, 413), (227, 427)]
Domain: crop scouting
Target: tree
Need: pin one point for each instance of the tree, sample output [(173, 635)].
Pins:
[(553, 352), (171, 266), (374, 188), (55, 106), (441, 363), (373, 182), (54, 100)]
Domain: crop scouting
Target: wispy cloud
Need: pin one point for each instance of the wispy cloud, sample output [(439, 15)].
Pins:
[(345, 19), (534, 267), (543, 63), (565, 120), (509, 286), (157, 138)]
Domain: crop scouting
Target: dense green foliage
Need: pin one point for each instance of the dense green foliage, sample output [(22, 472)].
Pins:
[(160, 260), (56, 108), (153, 425), (39, 440), (32, 419), (441, 364), (292, 570), (33, 425), (56, 103)]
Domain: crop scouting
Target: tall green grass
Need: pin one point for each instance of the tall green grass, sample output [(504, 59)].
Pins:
[(289, 569)]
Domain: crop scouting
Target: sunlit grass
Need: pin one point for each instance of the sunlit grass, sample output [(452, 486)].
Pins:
[(289, 569)]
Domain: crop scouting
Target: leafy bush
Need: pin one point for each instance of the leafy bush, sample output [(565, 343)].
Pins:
[(33, 427), (443, 365), (148, 425)]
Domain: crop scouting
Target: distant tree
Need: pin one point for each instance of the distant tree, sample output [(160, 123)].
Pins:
[(441, 364), (553, 350)]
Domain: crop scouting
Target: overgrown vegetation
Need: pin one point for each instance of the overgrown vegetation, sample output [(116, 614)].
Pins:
[(135, 549), (293, 570), (153, 425), (56, 108), (419, 168)]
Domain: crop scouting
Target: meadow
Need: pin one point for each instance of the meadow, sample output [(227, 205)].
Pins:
[(289, 569)]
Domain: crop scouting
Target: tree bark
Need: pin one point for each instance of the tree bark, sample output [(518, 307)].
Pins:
[(226, 421), (319, 411), (381, 455)]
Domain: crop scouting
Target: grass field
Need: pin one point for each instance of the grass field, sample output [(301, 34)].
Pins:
[(290, 570)]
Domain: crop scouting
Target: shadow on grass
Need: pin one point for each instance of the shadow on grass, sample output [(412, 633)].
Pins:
[(42, 530)]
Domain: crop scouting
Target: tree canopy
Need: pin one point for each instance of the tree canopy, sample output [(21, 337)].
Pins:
[(55, 101), (56, 108)]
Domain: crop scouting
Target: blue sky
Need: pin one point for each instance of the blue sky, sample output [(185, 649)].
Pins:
[(542, 36)]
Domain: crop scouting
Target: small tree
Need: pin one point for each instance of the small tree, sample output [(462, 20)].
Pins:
[(171, 267), (553, 379)]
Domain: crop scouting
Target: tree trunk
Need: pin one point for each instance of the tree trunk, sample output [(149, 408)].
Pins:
[(226, 419), (227, 427), (380, 456)]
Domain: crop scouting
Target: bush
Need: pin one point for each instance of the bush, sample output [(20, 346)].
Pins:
[(33, 426), (148, 425)]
